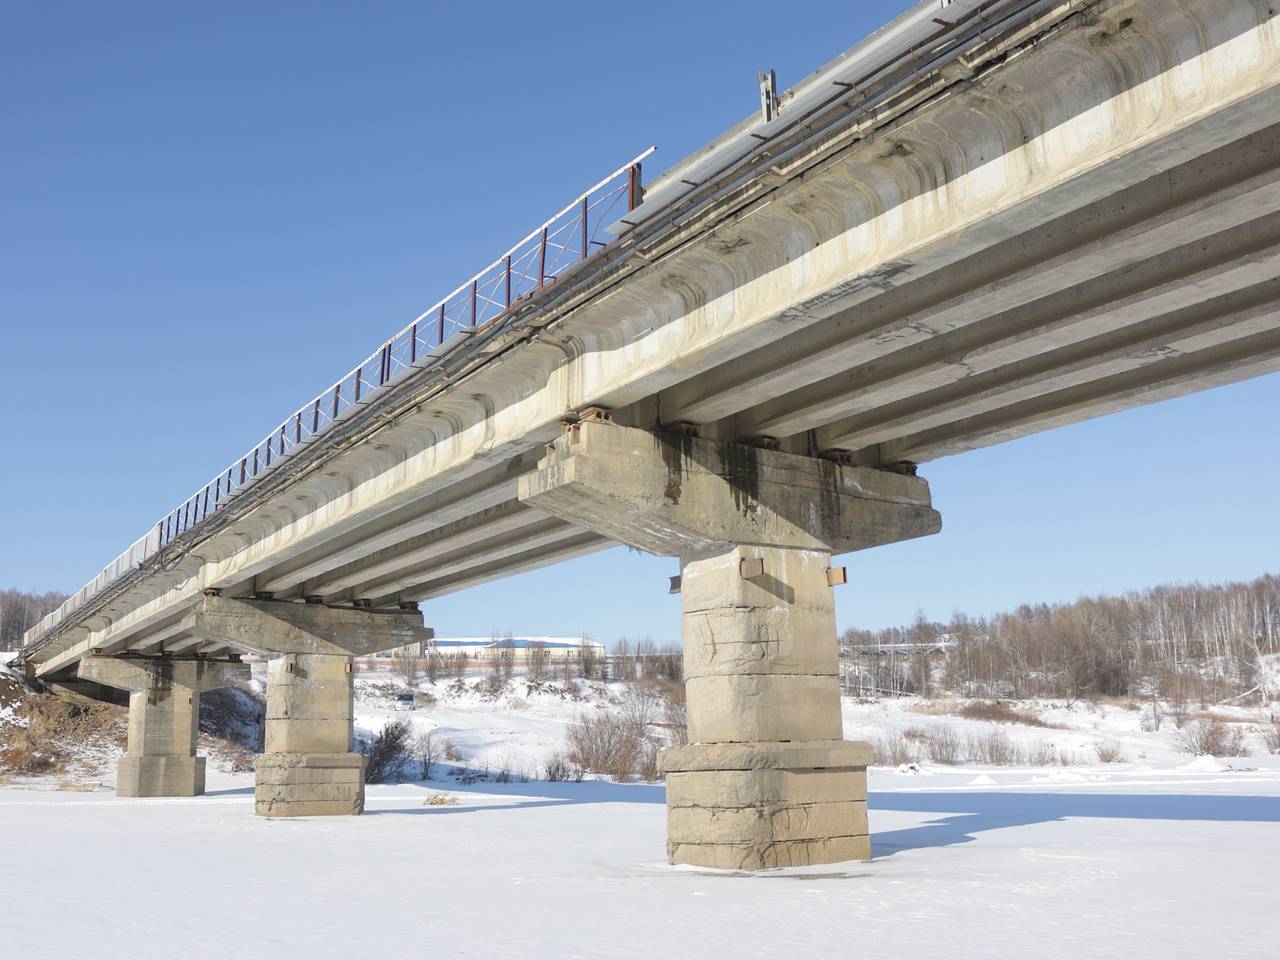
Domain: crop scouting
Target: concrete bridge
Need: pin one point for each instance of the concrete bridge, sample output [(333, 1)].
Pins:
[(988, 219)]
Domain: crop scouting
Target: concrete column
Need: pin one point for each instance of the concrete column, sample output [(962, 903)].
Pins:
[(164, 720), (766, 780), (308, 767)]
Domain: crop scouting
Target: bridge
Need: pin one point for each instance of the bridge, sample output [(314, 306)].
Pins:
[(990, 218)]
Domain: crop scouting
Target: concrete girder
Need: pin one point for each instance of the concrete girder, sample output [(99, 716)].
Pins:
[(1220, 321), (489, 489), (505, 518), (546, 534), (1230, 186), (164, 719), (579, 545), (1174, 377), (1206, 269)]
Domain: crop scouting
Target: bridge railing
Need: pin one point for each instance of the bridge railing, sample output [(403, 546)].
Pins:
[(546, 254)]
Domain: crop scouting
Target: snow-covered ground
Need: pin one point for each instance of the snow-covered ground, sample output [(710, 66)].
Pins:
[(1161, 855), (1136, 863)]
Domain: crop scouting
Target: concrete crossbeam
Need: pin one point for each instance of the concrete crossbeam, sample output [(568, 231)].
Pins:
[(676, 495), (271, 627)]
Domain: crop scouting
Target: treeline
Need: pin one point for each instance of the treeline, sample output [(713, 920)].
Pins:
[(20, 611), (1188, 643)]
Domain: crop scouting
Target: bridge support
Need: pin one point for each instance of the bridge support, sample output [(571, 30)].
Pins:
[(767, 779), (309, 767), (164, 719)]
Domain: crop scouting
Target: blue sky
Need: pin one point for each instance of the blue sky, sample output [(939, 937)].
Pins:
[(209, 212)]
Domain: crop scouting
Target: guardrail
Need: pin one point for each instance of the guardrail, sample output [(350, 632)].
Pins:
[(571, 236)]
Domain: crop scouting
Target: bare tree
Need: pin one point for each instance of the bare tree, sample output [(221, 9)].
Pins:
[(536, 660)]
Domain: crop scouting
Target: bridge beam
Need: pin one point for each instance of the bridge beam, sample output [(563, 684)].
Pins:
[(164, 719), (767, 779), (309, 767)]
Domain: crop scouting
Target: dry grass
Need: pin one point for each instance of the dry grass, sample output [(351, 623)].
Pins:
[(998, 711), (440, 800), (76, 786)]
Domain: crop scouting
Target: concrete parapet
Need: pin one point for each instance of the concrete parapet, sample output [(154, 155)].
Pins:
[(164, 719)]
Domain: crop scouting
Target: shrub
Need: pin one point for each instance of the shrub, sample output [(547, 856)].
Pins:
[(427, 751), (647, 764), (1212, 738), (1271, 736), (387, 755), (559, 768), (1041, 754), (890, 750), (605, 744), (1108, 751), (943, 744), (994, 747)]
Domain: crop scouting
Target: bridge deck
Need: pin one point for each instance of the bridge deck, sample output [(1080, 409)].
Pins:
[(1073, 212)]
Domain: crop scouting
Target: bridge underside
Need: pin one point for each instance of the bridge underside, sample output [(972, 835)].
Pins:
[(1080, 216)]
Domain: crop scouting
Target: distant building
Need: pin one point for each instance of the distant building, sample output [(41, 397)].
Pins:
[(486, 648)]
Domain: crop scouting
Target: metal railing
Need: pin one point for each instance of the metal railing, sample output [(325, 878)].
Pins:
[(570, 237)]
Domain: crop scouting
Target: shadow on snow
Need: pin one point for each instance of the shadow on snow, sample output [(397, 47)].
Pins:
[(969, 814)]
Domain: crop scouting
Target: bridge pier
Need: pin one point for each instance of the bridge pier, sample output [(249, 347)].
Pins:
[(308, 767), (767, 779), (164, 719)]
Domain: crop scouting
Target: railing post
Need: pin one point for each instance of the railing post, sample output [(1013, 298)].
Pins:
[(475, 294), (441, 341), (585, 210), (542, 260), (359, 375), (508, 281), (337, 392), (634, 196), (315, 417), (413, 343), (297, 428)]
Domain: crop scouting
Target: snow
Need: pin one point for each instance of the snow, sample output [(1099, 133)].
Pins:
[(1144, 864), (1160, 856)]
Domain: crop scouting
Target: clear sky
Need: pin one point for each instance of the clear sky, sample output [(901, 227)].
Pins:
[(209, 212)]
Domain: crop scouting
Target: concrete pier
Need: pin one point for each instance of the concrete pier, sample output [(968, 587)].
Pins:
[(767, 779), (308, 767), (164, 719)]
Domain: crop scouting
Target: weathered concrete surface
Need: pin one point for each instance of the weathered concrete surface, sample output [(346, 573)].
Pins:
[(308, 767), (1085, 220), (164, 720), (271, 627), (767, 780), (676, 495)]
